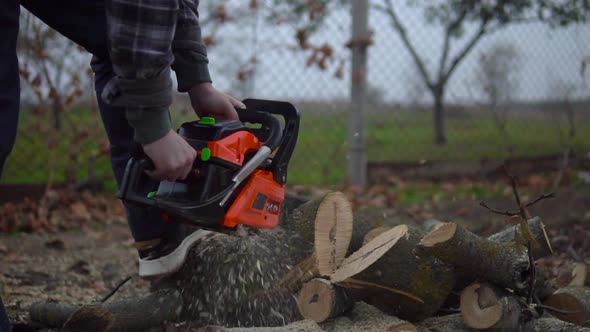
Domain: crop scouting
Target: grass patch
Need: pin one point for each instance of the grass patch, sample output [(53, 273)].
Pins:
[(321, 153)]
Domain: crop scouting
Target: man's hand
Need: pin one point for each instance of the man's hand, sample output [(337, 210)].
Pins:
[(208, 101), (172, 156)]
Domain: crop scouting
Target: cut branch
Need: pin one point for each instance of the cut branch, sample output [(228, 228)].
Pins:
[(476, 257), (575, 300)]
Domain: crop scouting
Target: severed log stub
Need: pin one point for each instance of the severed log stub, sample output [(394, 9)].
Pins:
[(476, 257), (485, 306), (133, 314), (320, 300), (387, 264), (574, 300), (541, 245)]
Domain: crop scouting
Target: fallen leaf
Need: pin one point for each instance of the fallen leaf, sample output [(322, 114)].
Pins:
[(80, 212)]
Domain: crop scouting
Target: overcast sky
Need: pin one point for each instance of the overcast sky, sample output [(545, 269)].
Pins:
[(550, 59)]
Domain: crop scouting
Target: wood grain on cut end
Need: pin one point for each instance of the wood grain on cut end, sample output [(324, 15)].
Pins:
[(319, 300), (440, 234), (574, 300), (369, 253), (333, 231), (480, 306)]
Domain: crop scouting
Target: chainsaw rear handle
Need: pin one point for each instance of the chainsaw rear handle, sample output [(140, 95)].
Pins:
[(288, 140), (128, 191)]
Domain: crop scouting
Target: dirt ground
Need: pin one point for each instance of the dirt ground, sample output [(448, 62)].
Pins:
[(82, 264)]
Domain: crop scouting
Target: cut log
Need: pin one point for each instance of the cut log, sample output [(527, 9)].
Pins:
[(554, 325), (398, 269), (320, 300), (226, 280), (333, 232), (475, 257), (136, 314), (574, 300), (542, 246), (301, 273), (484, 306)]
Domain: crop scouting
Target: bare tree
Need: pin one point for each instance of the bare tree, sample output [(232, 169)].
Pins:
[(497, 81), (488, 17)]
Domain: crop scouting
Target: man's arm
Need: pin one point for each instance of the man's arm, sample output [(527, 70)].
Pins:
[(140, 36), (143, 35)]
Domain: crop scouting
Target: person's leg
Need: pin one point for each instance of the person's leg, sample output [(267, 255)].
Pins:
[(144, 225), (84, 22), (9, 77), (9, 95)]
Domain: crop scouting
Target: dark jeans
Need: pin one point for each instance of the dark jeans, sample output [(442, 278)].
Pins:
[(84, 22)]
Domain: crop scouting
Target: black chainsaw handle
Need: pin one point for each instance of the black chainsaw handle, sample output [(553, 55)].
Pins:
[(269, 122), (289, 135), (129, 185)]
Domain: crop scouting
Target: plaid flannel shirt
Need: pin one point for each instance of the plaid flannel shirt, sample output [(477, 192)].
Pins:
[(148, 38)]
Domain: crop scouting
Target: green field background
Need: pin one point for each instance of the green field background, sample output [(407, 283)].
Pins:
[(321, 153)]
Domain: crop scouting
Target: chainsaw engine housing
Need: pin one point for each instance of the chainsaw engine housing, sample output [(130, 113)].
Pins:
[(234, 179)]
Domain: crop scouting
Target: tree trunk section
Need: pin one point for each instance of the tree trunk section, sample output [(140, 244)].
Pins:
[(320, 300), (475, 257), (572, 299), (135, 314), (425, 277), (484, 306)]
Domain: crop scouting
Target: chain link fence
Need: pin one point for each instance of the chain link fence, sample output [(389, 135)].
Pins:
[(520, 91)]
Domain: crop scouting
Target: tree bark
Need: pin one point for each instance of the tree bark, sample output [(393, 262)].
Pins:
[(136, 314), (541, 249), (475, 257), (440, 137), (425, 277)]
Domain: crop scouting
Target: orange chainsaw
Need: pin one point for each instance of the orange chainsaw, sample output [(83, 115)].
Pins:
[(239, 174)]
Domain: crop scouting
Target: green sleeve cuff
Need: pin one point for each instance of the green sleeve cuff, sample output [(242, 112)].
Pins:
[(191, 69), (150, 124)]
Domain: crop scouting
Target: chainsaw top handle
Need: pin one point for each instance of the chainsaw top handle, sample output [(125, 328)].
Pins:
[(288, 140)]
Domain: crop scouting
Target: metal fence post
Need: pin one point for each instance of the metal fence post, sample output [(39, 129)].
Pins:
[(357, 126)]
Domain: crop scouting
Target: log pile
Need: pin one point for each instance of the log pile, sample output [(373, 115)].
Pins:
[(325, 259)]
